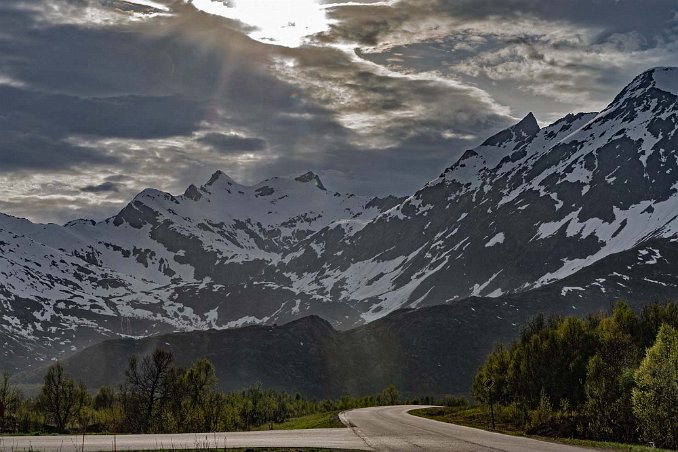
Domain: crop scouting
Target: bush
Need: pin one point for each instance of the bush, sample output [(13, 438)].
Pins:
[(452, 401)]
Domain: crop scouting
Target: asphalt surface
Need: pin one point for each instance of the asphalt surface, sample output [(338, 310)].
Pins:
[(392, 429), (379, 428), (336, 438)]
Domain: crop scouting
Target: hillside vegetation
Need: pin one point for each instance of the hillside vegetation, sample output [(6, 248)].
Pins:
[(606, 377), (156, 396)]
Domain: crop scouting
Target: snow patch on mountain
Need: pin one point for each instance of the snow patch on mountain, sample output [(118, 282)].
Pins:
[(496, 240)]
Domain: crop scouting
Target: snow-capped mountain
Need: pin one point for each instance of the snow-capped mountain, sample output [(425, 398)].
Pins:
[(165, 263), (528, 207), (527, 210)]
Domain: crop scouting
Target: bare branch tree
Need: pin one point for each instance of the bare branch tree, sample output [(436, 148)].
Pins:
[(148, 380)]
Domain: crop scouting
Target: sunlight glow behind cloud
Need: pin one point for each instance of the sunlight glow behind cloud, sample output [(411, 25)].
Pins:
[(282, 22)]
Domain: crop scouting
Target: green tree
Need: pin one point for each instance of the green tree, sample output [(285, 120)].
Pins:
[(391, 395), (61, 399), (266, 407), (575, 344), (531, 363), (496, 369), (214, 412), (104, 398), (609, 377), (191, 400), (652, 317), (655, 399), (246, 412), (200, 380), (10, 401)]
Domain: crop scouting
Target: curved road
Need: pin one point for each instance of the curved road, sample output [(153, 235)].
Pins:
[(391, 428), (380, 428)]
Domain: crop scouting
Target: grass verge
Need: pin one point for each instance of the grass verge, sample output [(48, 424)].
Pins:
[(479, 417), (328, 419), (475, 416), (319, 420)]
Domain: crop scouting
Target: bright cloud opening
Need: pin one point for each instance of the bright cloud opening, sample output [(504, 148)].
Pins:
[(283, 22)]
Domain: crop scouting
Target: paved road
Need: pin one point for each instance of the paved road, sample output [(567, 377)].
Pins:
[(392, 429), (337, 438), (380, 428)]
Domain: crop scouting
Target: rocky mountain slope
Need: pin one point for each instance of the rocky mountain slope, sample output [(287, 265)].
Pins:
[(589, 200)]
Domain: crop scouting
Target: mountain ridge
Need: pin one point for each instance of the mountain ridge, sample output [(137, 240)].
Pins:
[(528, 208)]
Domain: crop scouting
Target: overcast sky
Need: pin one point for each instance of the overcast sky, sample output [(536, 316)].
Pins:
[(102, 98)]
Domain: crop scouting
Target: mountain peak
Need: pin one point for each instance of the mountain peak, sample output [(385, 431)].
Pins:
[(662, 78), (665, 79), (193, 193), (219, 176), (645, 89), (311, 177), (527, 127)]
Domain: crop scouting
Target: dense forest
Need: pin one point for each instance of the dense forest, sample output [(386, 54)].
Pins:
[(159, 397), (605, 377)]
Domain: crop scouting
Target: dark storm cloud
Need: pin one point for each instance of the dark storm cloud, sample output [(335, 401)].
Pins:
[(649, 16), (36, 126), (129, 116), (106, 187), (118, 178), (230, 142), (30, 149)]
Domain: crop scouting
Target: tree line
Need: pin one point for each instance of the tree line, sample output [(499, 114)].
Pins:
[(159, 397), (604, 377)]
